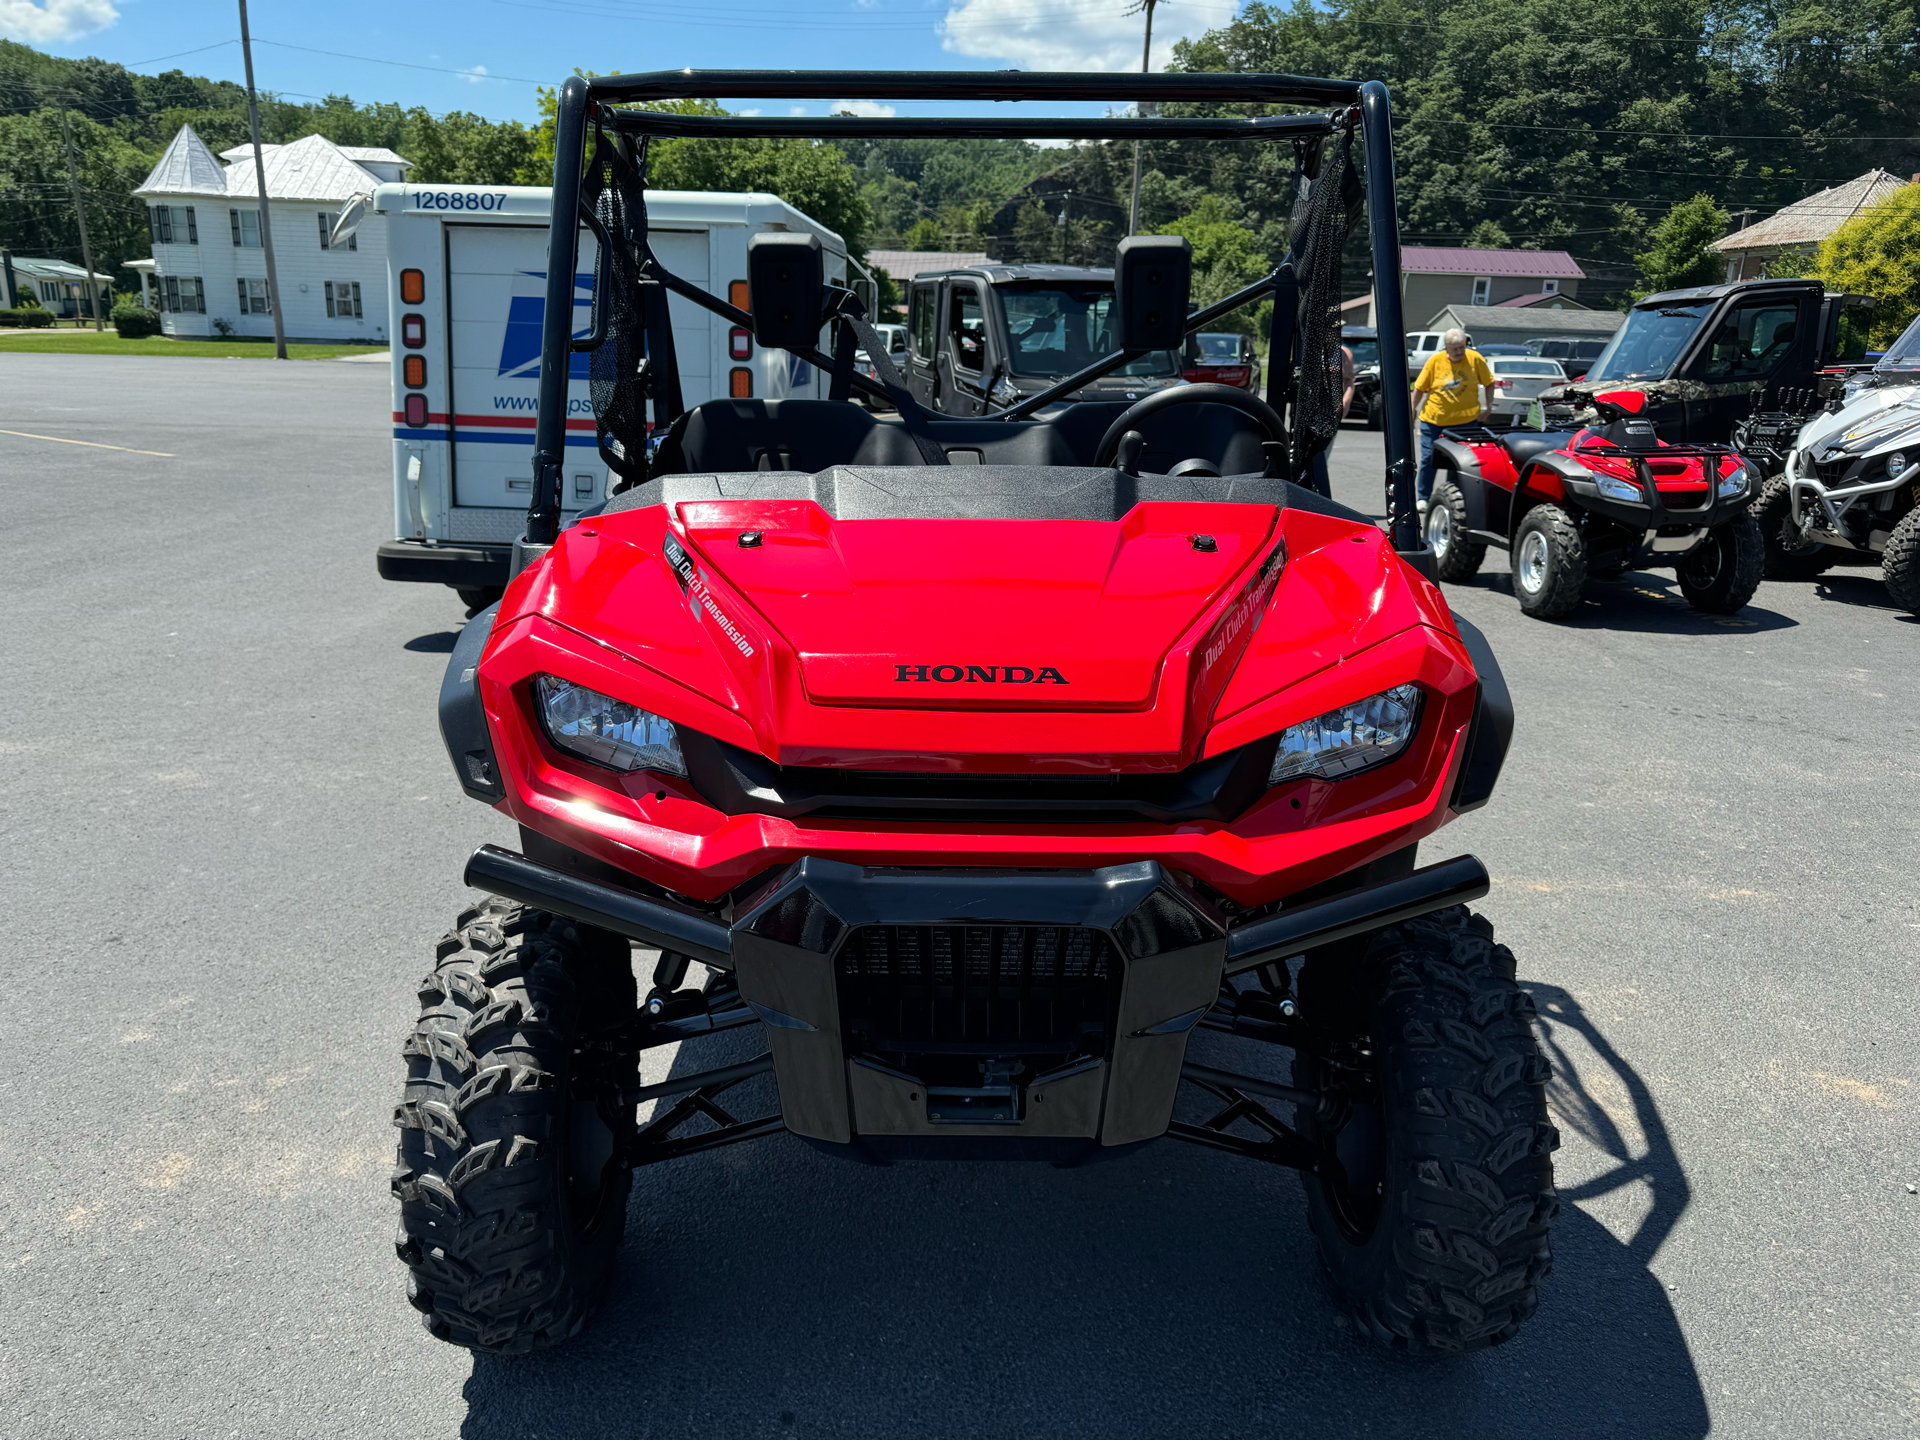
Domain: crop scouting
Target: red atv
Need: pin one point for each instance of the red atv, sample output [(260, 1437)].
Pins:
[(973, 765), (1597, 500)]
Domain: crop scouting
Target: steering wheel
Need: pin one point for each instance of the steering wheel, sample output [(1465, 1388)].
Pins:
[(1242, 400)]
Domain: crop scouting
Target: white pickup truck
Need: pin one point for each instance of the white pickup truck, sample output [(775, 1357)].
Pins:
[(466, 289)]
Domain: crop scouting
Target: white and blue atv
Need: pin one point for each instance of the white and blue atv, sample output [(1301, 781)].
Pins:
[(1852, 481)]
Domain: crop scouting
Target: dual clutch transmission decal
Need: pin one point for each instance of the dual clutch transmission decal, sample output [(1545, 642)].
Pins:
[(700, 596), (1220, 650)]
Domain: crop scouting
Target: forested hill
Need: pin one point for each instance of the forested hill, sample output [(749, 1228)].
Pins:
[(1521, 122)]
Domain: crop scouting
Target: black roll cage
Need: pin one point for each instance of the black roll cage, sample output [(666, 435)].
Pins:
[(596, 105)]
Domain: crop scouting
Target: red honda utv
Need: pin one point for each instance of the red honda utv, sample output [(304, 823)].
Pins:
[(1599, 498), (974, 764)]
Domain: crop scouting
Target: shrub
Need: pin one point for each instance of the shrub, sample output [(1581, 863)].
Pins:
[(223, 326), (26, 318), (134, 320), (26, 299)]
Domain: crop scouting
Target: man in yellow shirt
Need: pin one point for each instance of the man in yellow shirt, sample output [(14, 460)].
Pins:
[(1444, 395)]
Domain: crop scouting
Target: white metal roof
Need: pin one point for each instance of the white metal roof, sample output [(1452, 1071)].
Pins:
[(379, 154), (313, 168), (186, 167)]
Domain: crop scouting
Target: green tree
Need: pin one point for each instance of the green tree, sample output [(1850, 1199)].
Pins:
[(924, 235), (1227, 256), (1877, 253), (1678, 255)]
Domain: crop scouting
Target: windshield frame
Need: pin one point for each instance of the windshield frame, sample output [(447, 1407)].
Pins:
[(1632, 333)]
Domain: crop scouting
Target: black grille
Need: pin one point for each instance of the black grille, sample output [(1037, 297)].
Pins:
[(989, 990)]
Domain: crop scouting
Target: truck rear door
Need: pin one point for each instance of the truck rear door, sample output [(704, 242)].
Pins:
[(496, 298), (1758, 342)]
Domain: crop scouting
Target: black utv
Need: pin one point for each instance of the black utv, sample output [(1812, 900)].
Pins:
[(987, 337)]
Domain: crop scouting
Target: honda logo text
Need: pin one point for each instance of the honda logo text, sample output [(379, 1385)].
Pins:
[(978, 675)]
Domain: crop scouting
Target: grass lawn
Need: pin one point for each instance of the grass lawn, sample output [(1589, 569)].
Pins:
[(87, 342)]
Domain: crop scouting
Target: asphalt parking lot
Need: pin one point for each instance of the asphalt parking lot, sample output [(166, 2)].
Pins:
[(231, 836)]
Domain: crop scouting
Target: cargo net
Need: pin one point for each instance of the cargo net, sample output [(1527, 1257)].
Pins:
[(620, 379), (1324, 213)]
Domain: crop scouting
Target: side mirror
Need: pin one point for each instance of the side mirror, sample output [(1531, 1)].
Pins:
[(1152, 274), (785, 289)]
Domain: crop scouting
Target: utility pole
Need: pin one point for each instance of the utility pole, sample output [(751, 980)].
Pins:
[(260, 182), (1144, 109), (80, 214)]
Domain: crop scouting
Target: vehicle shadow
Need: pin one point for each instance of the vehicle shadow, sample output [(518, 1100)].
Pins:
[(438, 642), (768, 1290), (1864, 588), (1645, 602)]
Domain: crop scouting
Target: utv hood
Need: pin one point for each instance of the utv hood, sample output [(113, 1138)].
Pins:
[(862, 613), (994, 614)]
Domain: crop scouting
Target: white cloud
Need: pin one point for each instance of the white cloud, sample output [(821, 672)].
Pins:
[(54, 21), (474, 74), (747, 112), (1076, 35), (797, 110), (867, 108), (866, 4)]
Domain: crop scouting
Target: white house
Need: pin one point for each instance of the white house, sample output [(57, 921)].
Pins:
[(208, 266)]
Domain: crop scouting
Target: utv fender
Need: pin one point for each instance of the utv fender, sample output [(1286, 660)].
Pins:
[(463, 721), (1491, 729)]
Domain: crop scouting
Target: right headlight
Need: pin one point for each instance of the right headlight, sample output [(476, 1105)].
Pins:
[(1353, 738), (606, 731)]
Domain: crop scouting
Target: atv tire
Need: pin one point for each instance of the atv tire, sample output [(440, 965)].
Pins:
[(1722, 573), (1787, 555), (513, 1197), (1434, 1226), (1549, 563), (1900, 570), (1456, 558)]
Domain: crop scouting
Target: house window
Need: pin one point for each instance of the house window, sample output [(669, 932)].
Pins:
[(246, 228), (253, 298), (327, 232), (343, 300), (173, 225), (182, 295), (1550, 287), (1481, 284)]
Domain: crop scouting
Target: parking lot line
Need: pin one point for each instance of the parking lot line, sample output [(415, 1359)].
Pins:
[(97, 445)]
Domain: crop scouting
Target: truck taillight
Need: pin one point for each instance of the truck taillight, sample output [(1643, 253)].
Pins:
[(737, 295), (416, 411), (740, 343), (413, 288), (414, 371), (740, 382), (413, 331)]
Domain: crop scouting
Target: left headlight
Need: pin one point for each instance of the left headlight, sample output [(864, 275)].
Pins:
[(606, 731), (1735, 482), (1350, 739)]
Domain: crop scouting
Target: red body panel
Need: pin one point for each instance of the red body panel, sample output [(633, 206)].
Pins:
[(793, 648), (1682, 481)]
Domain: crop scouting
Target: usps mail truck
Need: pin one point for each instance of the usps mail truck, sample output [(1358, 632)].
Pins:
[(466, 289)]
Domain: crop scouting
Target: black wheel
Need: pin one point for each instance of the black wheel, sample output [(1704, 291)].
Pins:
[(1899, 568), (1374, 411), (1722, 573), (1787, 554), (1456, 558), (1433, 1221), (478, 597), (1549, 562), (513, 1195)]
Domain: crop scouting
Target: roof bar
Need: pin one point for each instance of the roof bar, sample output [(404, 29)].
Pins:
[(1201, 88)]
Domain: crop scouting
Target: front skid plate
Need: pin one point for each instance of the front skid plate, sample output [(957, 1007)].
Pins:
[(1170, 945)]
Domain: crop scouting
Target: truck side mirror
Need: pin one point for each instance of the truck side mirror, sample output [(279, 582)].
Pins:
[(1151, 279), (785, 289)]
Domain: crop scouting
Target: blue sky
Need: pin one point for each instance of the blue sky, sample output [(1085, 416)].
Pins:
[(486, 55)]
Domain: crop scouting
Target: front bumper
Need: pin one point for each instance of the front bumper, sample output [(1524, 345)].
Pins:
[(930, 1005), (1834, 515)]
